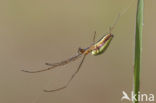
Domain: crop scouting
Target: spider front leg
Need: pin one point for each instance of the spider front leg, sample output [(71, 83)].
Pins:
[(94, 37)]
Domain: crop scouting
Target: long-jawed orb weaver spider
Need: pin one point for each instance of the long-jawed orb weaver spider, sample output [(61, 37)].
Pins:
[(96, 48)]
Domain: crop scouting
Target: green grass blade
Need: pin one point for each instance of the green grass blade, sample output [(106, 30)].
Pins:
[(138, 47)]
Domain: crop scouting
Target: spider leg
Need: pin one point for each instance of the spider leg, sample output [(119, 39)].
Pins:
[(55, 64), (66, 85), (65, 61), (94, 37)]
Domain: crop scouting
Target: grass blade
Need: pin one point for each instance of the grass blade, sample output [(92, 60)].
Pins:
[(138, 48)]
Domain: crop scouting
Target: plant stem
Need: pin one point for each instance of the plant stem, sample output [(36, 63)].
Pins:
[(138, 48)]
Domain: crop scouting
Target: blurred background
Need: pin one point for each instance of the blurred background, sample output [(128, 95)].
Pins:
[(33, 32)]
